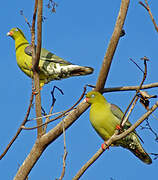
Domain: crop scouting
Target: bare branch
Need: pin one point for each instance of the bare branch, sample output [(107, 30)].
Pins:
[(129, 88), (35, 61), (144, 5), (46, 139), (132, 128), (60, 116), (39, 35), (30, 160), (150, 13), (46, 116), (124, 120), (88, 164), (65, 154), (20, 129), (112, 46)]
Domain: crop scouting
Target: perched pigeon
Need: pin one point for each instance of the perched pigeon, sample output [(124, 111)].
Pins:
[(105, 117), (51, 67)]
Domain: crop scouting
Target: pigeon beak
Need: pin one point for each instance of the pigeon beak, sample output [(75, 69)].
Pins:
[(86, 100), (10, 33)]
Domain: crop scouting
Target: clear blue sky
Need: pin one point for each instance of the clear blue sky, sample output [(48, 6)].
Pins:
[(79, 32)]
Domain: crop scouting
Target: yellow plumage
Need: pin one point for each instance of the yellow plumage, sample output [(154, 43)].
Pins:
[(98, 119), (51, 67), (104, 117)]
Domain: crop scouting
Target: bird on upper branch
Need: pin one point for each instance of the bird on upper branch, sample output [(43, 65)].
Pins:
[(51, 67)]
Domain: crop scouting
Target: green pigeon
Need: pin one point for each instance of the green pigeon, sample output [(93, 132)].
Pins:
[(51, 67), (105, 117)]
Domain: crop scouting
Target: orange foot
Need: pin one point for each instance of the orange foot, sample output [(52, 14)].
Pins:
[(104, 146), (118, 127), (34, 92)]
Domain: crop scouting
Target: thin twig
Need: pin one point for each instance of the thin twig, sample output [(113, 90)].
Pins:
[(150, 13), (22, 13), (154, 154), (144, 5), (53, 103), (46, 116), (129, 112), (65, 154), (125, 88), (134, 126), (144, 77), (148, 126), (20, 129), (137, 65), (60, 116), (34, 19)]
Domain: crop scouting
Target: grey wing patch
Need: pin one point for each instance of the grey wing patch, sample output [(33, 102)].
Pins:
[(28, 50), (118, 113), (50, 57), (47, 56)]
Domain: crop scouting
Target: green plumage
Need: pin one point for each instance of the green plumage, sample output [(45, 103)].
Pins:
[(51, 67), (104, 118)]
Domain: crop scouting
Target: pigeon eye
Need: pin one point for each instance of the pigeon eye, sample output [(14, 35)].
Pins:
[(92, 95)]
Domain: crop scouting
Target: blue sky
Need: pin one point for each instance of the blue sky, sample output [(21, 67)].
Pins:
[(79, 32)]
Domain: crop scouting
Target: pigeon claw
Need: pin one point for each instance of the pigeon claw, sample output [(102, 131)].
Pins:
[(118, 127), (104, 146)]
